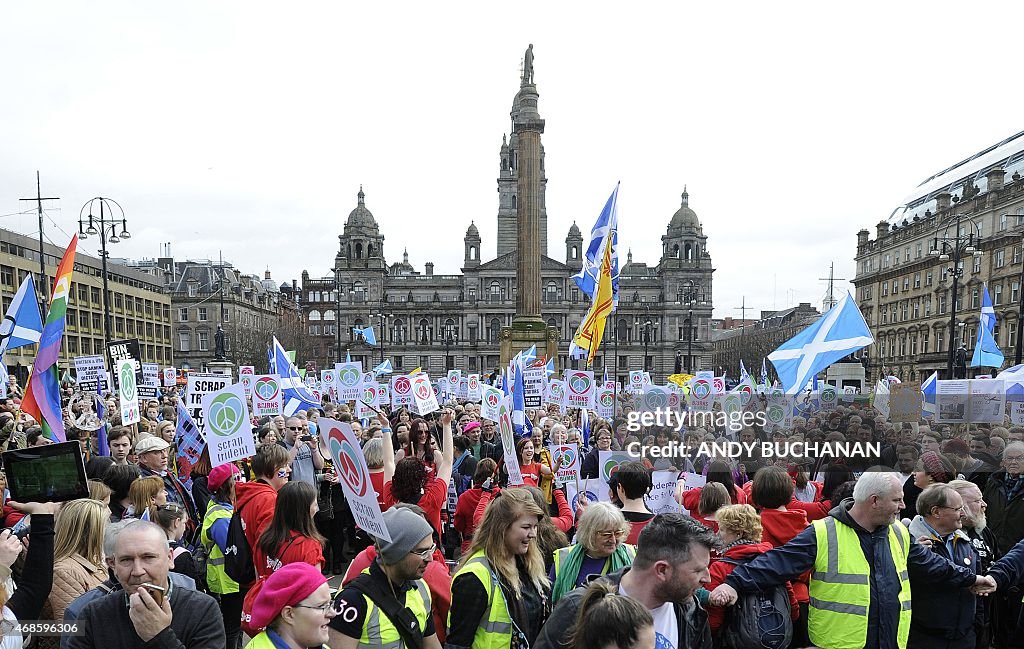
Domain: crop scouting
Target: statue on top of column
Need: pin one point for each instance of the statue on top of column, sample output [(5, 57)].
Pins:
[(528, 66)]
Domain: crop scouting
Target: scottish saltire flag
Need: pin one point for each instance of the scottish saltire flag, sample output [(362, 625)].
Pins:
[(367, 334), (348, 356), (383, 368), (549, 367), (604, 380), (294, 392), (42, 397), (591, 330), (271, 363), (102, 445), (604, 230), (986, 352), (22, 324), (585, 426), (840, 331), (764, 372), (519, 405), (743, 371), (528, 356), (189, 442), (928, 392)]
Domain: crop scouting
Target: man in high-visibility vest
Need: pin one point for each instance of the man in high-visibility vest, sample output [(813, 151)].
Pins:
[(864, 562)]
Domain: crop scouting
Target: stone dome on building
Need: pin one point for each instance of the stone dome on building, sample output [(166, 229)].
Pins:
[(472, 230), (361, 217), (685, 218), (574, 230)]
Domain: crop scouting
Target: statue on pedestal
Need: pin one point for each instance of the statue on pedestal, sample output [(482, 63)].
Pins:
[(528, 66), (218, 339), (960, 362)]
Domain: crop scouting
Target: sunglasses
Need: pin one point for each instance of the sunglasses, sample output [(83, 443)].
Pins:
[(295, 428)]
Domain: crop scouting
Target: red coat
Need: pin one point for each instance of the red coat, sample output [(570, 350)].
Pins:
[(721, 569), (438, 580), (815, 511), (779, 529), (255, 502), (464, 521)]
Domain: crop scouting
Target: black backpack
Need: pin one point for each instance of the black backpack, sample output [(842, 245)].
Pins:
[(238, 555), (759, 620)]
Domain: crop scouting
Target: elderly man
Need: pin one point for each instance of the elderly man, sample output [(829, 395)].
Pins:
[(1004, 494), (943, 617), (152, 453), (859, 553), (975, 526), (143, 617)]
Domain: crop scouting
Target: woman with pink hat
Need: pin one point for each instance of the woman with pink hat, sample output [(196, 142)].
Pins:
[(293, 609)]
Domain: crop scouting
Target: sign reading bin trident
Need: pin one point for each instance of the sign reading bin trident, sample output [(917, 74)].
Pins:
[(354, 476), (228, 429)]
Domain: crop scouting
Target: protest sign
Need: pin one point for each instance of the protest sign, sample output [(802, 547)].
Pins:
[(636, 380), (473, 388), (401, 391), (508, 446), (687, 482), (453, 378), (580, 389), (366, 406), (127, 392), (119, 350), (198, 386), (702, 391), (662, 497), (246, 374), (565, 461), (608, 462), (228, 428), (555, 393), (349, 380), (605, 402), (905, 401), (170, 377), (425, 398), (354, 476), (267, 397), (533, 386), (490, 403), (89, 370)]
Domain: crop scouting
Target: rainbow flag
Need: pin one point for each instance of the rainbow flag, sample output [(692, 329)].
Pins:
[(42, 397)]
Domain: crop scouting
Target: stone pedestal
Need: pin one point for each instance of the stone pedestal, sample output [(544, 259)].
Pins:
[(522, 335), (222, 367)]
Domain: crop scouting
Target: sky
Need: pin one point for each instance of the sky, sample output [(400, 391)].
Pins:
[(247, 128)]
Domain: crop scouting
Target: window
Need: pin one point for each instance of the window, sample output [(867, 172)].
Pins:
[(917, 280), (884, 315), (903, 310), (975, 298), (225, 315), (906, 254), (939, 336), (1000, 258), (906, 283), (202, 314), (997, 294), (977, 265), (1011, 333), (314, 315), (1016, 254), (917, 255), (83, 293), (885, 289), (895, 287), (494, 331), (913, 344), (1003, 218), (942, 303), (192, 289), (183, 314), (94, 295), (928, 306), (917, 309), (1015, 292), (924, 343), (184, 341), (204, 340), (885, 264), (928, 278)]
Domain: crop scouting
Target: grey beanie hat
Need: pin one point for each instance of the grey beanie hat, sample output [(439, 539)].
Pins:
[(407, 529)]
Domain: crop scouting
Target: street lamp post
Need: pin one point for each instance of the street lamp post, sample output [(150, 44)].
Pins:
[(451, 338), (383, 318), (648, 331), (691, 294), (337, 313), (1020, 309), (91, 225), (955, 248)]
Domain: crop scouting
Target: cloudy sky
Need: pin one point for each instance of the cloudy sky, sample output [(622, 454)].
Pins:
[(248, 127)]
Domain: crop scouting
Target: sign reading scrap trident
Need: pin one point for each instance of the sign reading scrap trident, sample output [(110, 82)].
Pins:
[(354, 476)]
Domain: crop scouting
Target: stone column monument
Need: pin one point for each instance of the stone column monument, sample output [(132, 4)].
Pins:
[(528, 327)]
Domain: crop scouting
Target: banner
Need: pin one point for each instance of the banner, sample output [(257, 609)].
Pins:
[(267, 397), (127, 392), (228, 428), (423, 393), (533, 386), (354, 476), (565, 460), (246, 374), (349, 380), (198, 386), (401, 391), (89, 370), (580, 389), (508, 442), (170, 377), (662, 498), (608, 462), (473, 388)]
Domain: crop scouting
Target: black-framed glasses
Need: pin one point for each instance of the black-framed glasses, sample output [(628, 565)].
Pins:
[(295, 428)]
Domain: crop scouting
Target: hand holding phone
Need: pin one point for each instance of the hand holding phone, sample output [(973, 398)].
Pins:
[(157, 592)]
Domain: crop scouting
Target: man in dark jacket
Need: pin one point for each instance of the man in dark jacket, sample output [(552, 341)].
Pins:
[(132, 617), (1004, 494), (975, 524), (872, 515), (671, 564)]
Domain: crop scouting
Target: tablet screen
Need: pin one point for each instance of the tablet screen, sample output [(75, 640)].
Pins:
[(54, 472)]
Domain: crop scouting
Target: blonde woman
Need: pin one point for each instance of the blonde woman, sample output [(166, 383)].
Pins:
[(145, 493), (78, 557), (599, 549), (500, 594)]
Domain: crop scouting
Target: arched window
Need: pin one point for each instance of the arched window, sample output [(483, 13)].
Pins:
[(675, 251), (514, 203), (494, 333), (356, 324), (622, 331), (472, 253), (423, 331), (399, 331), (314, 315), (329, 314), (359, 250), (689, 252), (495, 290), (450, 332), (369, 250), (575, 252), (551, 292)]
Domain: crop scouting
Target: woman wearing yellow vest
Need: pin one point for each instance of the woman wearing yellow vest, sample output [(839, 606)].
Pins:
[(214, 537), (295, 607), (500, 594)]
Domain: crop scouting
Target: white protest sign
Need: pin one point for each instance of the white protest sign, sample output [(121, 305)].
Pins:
[(354, 476), (200, 385), (608, 462), (508, 442), (1017, 412), (555, 393), (462, 390), (565, 461), (383, 393), (453, 379), (636, 380), (606, 401), (490, 402), (401, 391), (267, 398), (228, 428), (533, 386), (473, 388), (423, 393), (349, 380), (662, 498), (245, 377), (89, 370), (580, 389), (702, 391), (170, 377), (367, 404), (127, 391)]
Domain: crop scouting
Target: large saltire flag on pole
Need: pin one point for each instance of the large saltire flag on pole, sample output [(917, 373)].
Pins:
[(22, 324), (591, 330), (604, 230), (42, 398), (986, 352), (294, 392), (840, 331)]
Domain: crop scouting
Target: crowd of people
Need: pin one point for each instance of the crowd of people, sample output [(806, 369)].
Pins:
[(918, 547)]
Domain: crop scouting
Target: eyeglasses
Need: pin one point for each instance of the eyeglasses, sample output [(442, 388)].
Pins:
[(956, 509), (425, 553), (1013, 458), (608, 536), (323, 608), (294, 427)]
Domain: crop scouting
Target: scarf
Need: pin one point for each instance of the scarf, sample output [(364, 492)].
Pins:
[(565, 580)]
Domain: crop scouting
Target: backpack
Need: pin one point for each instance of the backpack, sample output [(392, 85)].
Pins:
[(759, 620), (238, 555)]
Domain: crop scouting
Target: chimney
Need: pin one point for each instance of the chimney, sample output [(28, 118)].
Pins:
[(862, 238), (995, 179), (942, 201), (881, 230), (428, 268)]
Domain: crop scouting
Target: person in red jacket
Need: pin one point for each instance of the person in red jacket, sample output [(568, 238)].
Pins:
[(255, 501), (464, 519), (771, 493), (740, 529)]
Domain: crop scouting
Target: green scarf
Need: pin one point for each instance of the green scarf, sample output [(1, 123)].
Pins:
[(565, 579)]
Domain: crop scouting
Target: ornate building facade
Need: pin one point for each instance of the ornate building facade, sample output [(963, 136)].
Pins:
[(434, 321), (904, 278)]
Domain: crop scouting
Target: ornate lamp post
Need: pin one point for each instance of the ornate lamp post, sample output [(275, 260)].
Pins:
[(451, 338), (106, 226), (691, 294), (955, 248)]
